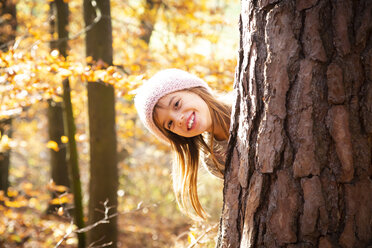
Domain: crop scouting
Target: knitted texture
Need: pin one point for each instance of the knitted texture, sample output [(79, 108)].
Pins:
[(162, 83)]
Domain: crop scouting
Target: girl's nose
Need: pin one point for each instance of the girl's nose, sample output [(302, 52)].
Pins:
[(180, 120)]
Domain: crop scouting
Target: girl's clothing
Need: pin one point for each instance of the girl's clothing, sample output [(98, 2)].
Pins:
[(219, 150)]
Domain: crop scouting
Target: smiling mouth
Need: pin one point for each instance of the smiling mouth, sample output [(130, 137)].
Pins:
[(191, 121)]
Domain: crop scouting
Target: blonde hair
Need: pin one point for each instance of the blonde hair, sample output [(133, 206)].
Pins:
[(185, 166)]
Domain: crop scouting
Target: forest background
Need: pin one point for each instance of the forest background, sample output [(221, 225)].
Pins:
[(198, 36)]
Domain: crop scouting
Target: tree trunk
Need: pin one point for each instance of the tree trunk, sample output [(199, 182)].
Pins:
[(58, 23), (148, 19), (104, 180), (59, 15), (72, 157), (103, 162), (8, 23), (299, 166), (5, 131), (58, 161), (98, 40)]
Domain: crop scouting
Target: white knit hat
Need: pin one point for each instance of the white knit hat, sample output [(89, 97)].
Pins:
[(162, 83)]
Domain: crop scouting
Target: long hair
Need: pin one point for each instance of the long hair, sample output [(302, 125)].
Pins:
[(187, 151)]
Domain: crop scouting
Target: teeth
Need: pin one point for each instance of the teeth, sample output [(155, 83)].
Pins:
[(191, 121)]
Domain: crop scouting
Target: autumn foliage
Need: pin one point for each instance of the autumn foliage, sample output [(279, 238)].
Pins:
[(197, 36)]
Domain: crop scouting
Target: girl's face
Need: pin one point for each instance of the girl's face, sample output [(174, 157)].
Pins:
[(184, 113)]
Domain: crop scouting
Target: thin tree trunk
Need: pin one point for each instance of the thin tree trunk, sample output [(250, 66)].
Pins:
[(5, 133), (73, 163), (299, 168), (8, 24), (148, 19), (59, 170), (59, 13)]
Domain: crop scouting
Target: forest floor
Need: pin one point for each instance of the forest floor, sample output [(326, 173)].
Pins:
[(139, 230), (29, 228)]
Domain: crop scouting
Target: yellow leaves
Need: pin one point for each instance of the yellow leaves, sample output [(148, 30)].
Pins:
[(64, 139), (135, 68), (12, 192), (64, 73), (89, 59), (191, 237), (13, 199), (28, 190), (15, 204), (4, 142), (66, 198), (212, 38), (56, 188), (53, 68), (61, 189), (52, 145)]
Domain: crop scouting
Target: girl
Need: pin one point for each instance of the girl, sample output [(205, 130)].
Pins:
[(180, 109)]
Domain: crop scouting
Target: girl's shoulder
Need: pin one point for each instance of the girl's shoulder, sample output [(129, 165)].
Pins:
[(219, 151)]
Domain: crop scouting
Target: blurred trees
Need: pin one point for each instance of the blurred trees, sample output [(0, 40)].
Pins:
[(73, 163), (59, 171), (59, 19), (59, 15), (300, 160), (5, 135), (185, 34), (8, 23), (103, 184), (8, 26), (148, 19)]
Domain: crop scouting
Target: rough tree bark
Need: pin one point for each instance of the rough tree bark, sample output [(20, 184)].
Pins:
[(299, 166)]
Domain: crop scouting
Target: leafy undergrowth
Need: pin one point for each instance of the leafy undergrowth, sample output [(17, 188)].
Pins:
[(28, 227), (24, 224), (145, 228)]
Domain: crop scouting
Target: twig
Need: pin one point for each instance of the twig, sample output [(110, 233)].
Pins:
[(103, 245), (202, 235), (105, 220)]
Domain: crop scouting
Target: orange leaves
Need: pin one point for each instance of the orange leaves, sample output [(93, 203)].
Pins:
[(22, 220), (67, 198), (64, 139), (56, 188), (52, 145)]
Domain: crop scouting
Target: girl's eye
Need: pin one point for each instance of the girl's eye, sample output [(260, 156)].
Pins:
[(170, 124), (177, 103)]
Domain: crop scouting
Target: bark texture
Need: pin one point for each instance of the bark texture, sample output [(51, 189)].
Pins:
[(299, 166)]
